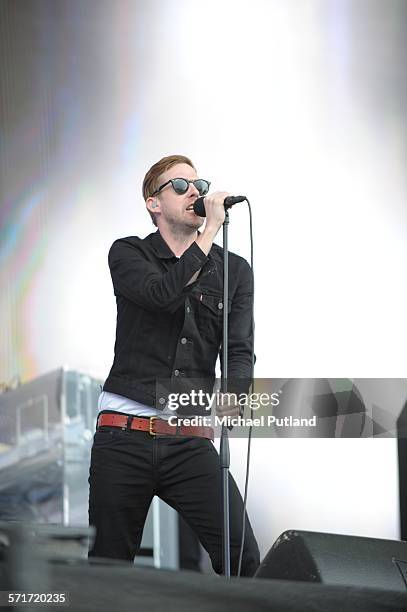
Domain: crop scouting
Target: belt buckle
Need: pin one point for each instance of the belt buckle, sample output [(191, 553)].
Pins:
[(150, 431)]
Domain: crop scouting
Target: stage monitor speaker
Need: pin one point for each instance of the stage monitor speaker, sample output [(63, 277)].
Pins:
[(337, 560), (32, 561)]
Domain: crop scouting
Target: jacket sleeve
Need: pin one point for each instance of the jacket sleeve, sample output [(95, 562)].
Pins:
[(138, 279), (241, 333)]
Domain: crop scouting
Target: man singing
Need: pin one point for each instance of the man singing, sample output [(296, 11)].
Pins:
[(168, 289)]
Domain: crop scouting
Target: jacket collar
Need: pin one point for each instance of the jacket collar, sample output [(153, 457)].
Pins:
[(160, 246), (163, 251)]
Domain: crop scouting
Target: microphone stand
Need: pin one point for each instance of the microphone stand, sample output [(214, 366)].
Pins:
[(224, 452)]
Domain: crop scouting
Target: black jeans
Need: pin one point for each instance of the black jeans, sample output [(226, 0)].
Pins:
[(129, 467)]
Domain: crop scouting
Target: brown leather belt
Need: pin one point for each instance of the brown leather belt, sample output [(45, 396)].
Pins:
[(154, 426)]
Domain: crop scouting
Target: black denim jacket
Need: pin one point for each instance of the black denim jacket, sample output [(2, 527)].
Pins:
[(167, 331)]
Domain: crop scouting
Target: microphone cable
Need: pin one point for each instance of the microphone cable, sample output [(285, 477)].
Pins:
[(249, 438)]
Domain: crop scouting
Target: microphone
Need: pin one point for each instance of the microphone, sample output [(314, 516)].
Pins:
[(199, 206)]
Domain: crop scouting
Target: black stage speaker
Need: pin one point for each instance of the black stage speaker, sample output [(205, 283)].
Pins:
[(29, 562), (308, 556)]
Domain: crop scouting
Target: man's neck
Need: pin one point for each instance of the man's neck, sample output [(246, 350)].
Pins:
[(178, 242)]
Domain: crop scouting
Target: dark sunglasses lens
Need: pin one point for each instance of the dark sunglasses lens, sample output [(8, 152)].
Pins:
[(180, 185), (202, 186)]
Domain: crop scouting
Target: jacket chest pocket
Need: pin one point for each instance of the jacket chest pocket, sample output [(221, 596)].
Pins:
[(210, 315)]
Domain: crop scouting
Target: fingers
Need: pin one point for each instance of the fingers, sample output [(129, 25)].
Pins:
[(232, 411), (224, 408), (214, 208)]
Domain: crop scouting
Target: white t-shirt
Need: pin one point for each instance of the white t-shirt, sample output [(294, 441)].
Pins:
[(112, 401)]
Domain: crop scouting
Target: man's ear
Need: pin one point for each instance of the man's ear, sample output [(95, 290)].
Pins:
[(153, 204)]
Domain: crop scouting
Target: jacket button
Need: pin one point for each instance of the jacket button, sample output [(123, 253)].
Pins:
[(176, 372), (220, 305), (184, 340)]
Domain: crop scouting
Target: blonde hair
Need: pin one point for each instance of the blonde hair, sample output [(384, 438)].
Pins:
[(150, 183)]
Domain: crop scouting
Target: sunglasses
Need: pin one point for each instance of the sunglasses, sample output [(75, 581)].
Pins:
[(181, 186)]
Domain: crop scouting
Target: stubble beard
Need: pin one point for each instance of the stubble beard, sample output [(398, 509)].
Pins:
[(184, 228)]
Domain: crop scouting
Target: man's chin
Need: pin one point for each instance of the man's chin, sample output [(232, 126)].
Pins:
[(194, 223), (188, 225), (196, 226)]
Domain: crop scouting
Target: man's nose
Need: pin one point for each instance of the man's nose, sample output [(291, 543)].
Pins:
[(193, 190)]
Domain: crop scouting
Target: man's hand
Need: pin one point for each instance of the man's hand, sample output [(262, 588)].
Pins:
[(215, 216), (215, 209), (225, 408)]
